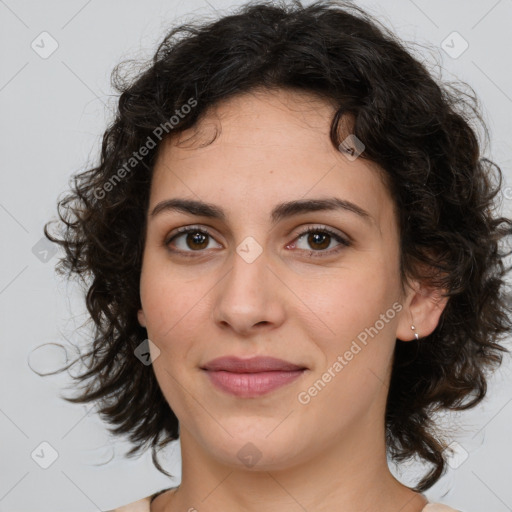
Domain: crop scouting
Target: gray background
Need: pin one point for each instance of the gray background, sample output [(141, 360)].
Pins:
[(53, 113)]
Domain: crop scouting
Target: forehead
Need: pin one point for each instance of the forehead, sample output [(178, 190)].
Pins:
[(271, 144), (283, 118)]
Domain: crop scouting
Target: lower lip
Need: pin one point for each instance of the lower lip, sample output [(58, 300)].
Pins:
[(252, 384)]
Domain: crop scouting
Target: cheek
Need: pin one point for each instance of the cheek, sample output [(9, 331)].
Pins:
[(167, 301), (357, 348), (355, 299), (358, 313), (171, 308)]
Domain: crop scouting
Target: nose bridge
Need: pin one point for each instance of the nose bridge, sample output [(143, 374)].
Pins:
[(248, 278), (248, 295)]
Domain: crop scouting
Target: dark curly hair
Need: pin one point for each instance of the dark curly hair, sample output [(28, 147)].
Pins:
[(417, 128)]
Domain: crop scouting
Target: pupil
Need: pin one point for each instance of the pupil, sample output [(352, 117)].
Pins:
[(196, 239), (315, 237)]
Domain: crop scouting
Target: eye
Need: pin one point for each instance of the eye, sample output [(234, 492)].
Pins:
[(193, 239), (190, 239), (319, 239)]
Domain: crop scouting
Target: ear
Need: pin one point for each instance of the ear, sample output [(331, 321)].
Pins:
[(422, 307), (141, 318)]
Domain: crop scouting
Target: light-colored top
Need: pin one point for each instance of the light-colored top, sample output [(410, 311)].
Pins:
[(143, 505)]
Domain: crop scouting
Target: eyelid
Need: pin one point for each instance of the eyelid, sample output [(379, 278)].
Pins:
[(343, 240), (187, 229), (323, 228)]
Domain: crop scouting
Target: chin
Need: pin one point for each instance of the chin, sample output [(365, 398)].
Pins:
[(264, 450)]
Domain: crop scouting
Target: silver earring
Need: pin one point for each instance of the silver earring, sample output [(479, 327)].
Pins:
[(415, 334)]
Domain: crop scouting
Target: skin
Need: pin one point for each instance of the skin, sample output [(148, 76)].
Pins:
[(328, 454)]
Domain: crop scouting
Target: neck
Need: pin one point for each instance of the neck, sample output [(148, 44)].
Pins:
[(350, 473)]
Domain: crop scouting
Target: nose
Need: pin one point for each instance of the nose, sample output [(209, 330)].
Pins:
[(250, 297)]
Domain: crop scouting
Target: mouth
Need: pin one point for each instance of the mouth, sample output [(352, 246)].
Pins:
[(251, 377)]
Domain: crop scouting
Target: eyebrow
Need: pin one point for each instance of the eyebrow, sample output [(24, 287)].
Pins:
[(280, 211)]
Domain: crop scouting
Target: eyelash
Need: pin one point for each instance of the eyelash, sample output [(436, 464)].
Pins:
[(315, 253)]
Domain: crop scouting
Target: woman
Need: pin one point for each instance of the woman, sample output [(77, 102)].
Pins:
[(295, 263)]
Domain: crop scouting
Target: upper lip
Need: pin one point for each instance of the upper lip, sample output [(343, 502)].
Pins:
[(251, 365)]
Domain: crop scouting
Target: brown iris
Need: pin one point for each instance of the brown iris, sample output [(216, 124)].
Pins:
[(313, 239), (196, 238)]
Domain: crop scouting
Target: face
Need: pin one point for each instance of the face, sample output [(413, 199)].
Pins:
[(244, 278)]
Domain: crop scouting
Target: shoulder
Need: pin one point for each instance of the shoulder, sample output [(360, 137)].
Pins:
[(142, 505), (438, 507)]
